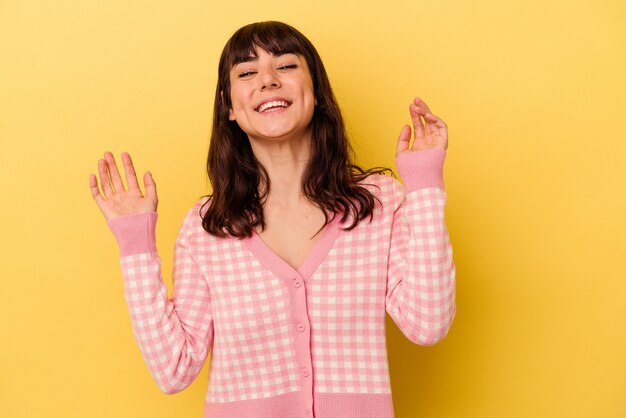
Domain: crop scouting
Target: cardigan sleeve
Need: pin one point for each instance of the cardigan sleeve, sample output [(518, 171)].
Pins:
[(174, 335), (420, 294)]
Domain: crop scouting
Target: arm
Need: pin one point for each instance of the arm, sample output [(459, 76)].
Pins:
[(174, 335), (421, 276)]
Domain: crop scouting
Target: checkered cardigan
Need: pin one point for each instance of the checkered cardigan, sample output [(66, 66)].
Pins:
[(291, 343)]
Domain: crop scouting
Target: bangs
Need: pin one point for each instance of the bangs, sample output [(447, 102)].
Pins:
[(274, 37)]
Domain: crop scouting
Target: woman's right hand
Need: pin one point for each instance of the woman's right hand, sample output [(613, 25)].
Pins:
[(115, 201)]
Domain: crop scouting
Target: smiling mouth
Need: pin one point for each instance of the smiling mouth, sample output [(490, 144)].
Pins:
[(272, 106)]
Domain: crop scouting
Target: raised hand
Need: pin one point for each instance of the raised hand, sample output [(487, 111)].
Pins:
[(117, 201), (432, 133)]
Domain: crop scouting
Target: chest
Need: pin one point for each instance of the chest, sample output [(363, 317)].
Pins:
[(292, 234)]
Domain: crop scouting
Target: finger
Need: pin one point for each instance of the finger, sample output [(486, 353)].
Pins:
[(105, 181), (404, 139), (429, 118), (116, 179), (150, 186), (95, 190), (423, 110), (129, 170), (417, 120), (435, 125), (421, 104)]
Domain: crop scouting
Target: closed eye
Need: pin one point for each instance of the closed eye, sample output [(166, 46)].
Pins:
[(282, 67)]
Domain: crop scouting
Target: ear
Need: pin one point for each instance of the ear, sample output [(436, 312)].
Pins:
[(231, 115)]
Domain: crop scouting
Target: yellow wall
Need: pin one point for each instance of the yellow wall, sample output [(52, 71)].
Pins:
[(533, 94)]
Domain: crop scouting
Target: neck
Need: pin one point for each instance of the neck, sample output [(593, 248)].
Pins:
[(285, 163)]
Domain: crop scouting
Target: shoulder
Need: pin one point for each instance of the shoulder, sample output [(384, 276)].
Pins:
[(192, 223), (386, 188)]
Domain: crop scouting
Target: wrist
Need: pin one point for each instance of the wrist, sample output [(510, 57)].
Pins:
[(421, 169), (136, 233)]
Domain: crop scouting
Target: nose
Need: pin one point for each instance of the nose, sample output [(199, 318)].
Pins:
[(269, 79)]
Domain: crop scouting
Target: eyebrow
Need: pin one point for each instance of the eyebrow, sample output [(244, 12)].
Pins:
[(251, 58)]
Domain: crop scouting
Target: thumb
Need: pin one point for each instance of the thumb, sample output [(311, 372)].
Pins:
[(150, 186), (404, 139)]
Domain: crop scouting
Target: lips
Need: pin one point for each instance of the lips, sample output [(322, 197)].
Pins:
[(272, 105)]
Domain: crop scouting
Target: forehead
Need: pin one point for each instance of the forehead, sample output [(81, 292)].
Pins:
[(256, 52), (251, 42)]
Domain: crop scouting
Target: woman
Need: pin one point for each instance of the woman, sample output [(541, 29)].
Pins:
[(286, 271)]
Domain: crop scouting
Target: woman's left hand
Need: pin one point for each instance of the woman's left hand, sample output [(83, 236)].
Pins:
[(432, 133)]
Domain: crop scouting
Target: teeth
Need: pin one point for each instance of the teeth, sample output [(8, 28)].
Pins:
[(275, 103)]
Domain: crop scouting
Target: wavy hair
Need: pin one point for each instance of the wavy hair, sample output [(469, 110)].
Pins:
[(330, 181)]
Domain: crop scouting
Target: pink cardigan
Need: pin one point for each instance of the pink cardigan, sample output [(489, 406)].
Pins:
[(295, 343)]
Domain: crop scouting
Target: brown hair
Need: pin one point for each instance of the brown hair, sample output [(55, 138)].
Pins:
[(330, 180)]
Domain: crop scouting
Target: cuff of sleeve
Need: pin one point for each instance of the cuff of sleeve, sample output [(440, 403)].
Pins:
[(421, 169), (135, 234)]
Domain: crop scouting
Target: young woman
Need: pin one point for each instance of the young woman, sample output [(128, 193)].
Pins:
[(286, 271)]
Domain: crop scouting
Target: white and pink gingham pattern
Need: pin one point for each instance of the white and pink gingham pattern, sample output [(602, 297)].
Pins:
[(317, 332)]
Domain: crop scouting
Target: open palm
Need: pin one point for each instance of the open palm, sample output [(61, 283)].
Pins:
[(115, 200)]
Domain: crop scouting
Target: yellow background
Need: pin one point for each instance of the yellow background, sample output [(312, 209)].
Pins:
[(533, 95)]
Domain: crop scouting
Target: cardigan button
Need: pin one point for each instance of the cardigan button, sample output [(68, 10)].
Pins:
[(300, 327), (305, 372), (297, 282)]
